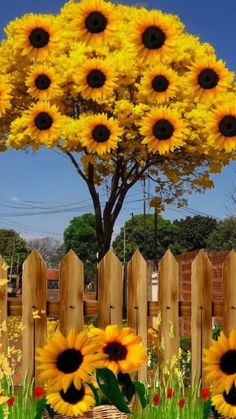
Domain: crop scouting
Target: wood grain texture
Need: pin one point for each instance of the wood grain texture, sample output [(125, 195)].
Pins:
[(168, 303), (110, 291), (71, 289), (3, 307), (33, 301), (137, 300), (201, 319), (229, 294)]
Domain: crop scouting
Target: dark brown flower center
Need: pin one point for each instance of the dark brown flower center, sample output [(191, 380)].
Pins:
[(43, 121), (163, 129), (116, 351), (230, 398), (42, 82), (101, 133), (96, 22), (69, 361), (227, 126), (160, 84), (39, 38), (96, 79), (228, 362), (72, 395), (153, 37), (208, 78)]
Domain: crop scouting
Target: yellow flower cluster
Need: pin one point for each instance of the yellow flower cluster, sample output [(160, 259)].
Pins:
[(102, 78)]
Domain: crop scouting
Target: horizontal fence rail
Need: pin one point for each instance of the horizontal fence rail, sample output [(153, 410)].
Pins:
[(71, 309)]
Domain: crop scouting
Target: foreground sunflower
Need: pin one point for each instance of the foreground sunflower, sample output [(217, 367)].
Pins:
[(208, 78), (44, 122), (71, 359), (225, 403), (222, 127), (95, 79), (221, 360), (155, 35), (42, 82), (124, 350), (159, 83), (5, 96), (37, 35), (163, 130), (99, 134), (96, 21), (72, 402)]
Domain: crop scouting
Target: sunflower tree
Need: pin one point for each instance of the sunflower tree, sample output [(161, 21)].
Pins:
[(125, 93)]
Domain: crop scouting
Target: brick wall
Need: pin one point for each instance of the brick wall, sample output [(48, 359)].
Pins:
[(185, 261)]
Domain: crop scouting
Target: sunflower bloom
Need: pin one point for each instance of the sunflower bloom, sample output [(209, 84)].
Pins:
[(37, 35), (95, 79), (221, 362), (222, 127), (99, 134), (72, 402), (155, 35), (43, 82), (163, 130), (69, 360), (208, 79), (125, 351), (159, 83), (5, 95), (225, 403), (96, 21)]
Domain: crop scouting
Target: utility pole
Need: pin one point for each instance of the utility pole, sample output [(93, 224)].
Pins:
[(124, 245)]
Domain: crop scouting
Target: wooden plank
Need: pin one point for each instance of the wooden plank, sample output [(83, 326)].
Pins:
[(168, 302), (137, 300), (110, 290), (71, 289), (33, 301), (201, 320), (3, 306), (229, 295)]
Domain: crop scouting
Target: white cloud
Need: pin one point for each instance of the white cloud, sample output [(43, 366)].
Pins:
[(14, 199)]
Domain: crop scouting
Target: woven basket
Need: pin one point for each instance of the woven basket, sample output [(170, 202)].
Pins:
[(98, 412)]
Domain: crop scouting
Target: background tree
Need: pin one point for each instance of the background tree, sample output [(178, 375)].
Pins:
[(192, 233), (51, 250), (80, 236), (84, 82), (13, 249), (141, 235), (223, 237)]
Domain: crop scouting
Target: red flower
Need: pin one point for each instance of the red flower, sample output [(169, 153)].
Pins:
[(205, 393), (38, 392), (11, 401), (170, 393), (155, 399), (181, 403)]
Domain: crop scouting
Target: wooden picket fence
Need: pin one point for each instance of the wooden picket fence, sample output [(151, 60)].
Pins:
[(71, 309)]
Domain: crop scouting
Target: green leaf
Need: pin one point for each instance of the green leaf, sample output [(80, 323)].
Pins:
[(128, 388), (108, 384), (206, 409), (215, 413), (40, 407), (95, 393), (141, 391), (50, 411)]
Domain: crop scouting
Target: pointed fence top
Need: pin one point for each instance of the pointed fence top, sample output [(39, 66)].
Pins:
[(71, 256)]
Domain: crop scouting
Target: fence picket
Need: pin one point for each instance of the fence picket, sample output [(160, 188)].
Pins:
[(137, 300), (33, 311), (229, 296), (110, 291), (201, 318), (169, 304), (71, 291), (3, 307)]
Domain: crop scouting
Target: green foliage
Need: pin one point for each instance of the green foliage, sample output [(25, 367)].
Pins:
[(40, 407), (224, 235), (12, 248), (109, 386), (80, 236), (192, 233), (141, 235)]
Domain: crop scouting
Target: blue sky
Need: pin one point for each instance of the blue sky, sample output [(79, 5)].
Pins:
[(45, 179)]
